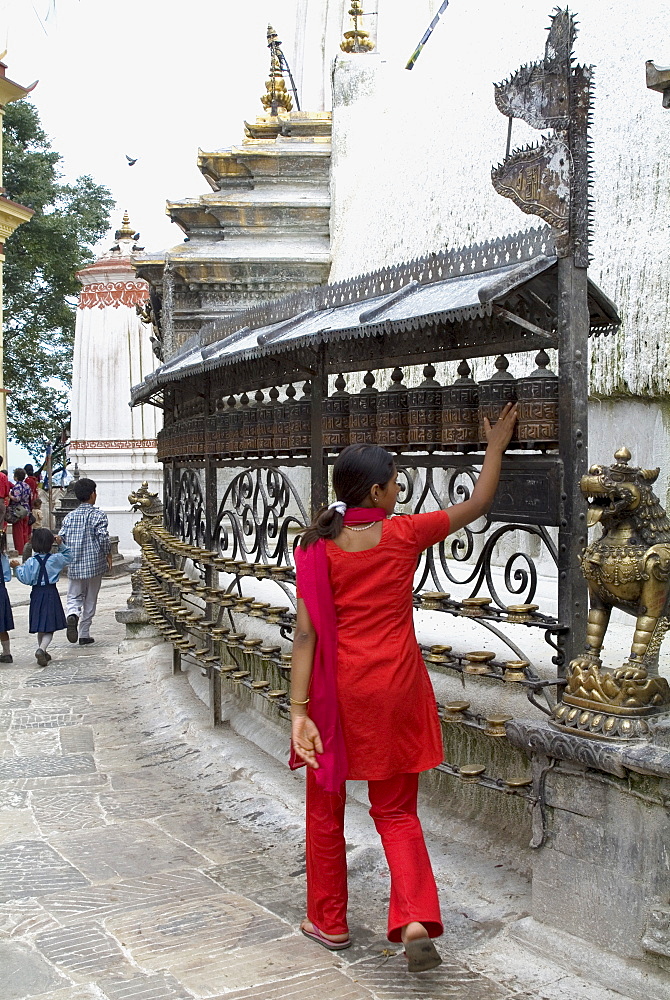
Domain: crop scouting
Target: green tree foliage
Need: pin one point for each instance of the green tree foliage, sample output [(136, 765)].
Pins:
[(40, 284)]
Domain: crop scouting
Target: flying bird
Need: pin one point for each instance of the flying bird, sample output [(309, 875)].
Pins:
[(131, 161)]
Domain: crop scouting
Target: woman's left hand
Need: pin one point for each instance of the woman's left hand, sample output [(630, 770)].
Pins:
[(305, 739)]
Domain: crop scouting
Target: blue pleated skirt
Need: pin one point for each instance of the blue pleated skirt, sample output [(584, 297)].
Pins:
[(6, 617), (46, 610)]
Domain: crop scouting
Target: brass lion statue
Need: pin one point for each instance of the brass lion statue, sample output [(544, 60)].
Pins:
[(152, 513), (627, 567)]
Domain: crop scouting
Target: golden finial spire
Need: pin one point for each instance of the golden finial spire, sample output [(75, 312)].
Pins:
[(277, 96), (126, 232), (356, 40)]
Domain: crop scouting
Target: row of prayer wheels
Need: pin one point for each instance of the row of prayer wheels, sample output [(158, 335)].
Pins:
[(430, 417)]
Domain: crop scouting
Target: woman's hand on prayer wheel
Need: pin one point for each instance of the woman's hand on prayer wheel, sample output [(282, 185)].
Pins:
[(305, 739), (500, 435)]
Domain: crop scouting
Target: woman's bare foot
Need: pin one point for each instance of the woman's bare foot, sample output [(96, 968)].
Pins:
[(308, 926), (412, 932)]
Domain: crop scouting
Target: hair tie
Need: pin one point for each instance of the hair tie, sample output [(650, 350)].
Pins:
[(338, 505)]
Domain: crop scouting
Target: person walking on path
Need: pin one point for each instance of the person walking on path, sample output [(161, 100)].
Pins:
[(5, 487), (6, 616), (362, 704), (85, 530), (41, 572), (31, 480), (20, 505)]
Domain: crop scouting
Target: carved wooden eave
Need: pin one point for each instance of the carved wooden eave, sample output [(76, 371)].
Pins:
[(459, 303), (12, 215), (11, 91)]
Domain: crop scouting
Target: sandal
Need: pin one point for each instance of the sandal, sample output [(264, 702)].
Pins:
[(422, 955), (316, 935)]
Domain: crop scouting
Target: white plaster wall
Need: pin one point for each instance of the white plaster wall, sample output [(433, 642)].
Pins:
[(412, 153), (317, 35), (112, 352)]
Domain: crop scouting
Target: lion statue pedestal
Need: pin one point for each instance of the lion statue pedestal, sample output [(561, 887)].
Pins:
[(628, 568), (134, 616)]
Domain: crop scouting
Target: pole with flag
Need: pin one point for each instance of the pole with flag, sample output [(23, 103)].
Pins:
[(49, 464), (417, 51)]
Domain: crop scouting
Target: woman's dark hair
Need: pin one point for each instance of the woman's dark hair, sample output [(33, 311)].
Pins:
[(20, 474), (30, 469), (42, 540), (358, 468)]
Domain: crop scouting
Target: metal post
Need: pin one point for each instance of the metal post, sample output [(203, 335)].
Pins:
[(175, 494), (210, 481), (176, 660), (215, 695), (318, 466), (573, 328), (211, 573), (51, 488)]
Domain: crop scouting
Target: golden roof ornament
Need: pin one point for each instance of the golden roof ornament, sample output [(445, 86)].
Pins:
[(126, 232), (356, 40), (277, 97)]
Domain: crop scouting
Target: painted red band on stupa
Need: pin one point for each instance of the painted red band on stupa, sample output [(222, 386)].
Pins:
[(113, 293)]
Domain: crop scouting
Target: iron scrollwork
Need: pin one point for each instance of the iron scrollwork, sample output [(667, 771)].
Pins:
[(439, 562), (255, 519), (168, 501), (189, 510)]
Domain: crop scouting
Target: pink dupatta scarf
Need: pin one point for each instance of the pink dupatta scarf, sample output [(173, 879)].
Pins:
[(315, 589)]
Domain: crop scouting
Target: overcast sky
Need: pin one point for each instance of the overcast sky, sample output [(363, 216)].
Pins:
[(152, 78)]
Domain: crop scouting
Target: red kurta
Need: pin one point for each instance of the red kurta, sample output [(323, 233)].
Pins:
[(386, 700)]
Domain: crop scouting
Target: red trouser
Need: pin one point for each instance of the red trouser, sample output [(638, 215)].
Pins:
[(21, 533), (393, 809)]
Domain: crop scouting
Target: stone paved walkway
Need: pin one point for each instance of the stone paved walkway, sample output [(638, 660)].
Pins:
[(139, 861)]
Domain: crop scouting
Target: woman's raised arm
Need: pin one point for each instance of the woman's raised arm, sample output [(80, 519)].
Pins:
[(479, 503)]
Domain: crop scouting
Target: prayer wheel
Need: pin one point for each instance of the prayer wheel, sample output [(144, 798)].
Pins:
[(363, 413), (392, 415), (282, 435), (248, 442), (300, 429), (275, 408), (424, 410), (264, 424), (218, 428), (494, 393), (195, 437), (234, 427), (163, 442), (538, 405), (336, 417), (460, 412)]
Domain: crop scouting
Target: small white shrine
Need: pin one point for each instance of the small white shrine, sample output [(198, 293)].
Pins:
[(111, 443)]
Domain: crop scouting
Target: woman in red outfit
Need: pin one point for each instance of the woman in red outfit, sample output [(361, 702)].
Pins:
[(362, 704), (20, 497)]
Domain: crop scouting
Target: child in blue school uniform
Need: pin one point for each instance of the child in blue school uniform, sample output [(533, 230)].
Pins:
[(6, 617), (41, 572)]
